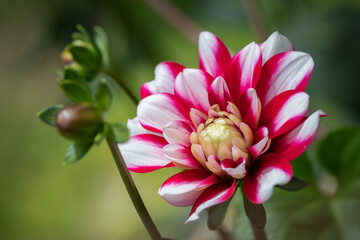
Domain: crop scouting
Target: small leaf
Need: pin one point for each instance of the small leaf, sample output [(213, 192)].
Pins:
[(101, 41), (294, 185), (103, 97), (75, 90), (76, 151), (217, 215), (84, 53), (70, 73), (255, 212), (120, 132), (47, 115)]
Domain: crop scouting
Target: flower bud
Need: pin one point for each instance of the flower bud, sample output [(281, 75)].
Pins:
[(84, 57), (79, 121)]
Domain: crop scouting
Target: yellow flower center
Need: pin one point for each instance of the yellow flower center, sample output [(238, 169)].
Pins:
[(223, 135), (217, 138)]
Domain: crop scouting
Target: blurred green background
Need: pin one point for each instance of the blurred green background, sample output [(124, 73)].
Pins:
[(42, 199)]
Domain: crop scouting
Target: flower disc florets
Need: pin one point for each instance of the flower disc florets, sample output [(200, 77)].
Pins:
[(223, 136), (235, 120)]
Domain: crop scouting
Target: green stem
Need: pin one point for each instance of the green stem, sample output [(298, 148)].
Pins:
[(256, 20), (133, 192), (123, 85), (258, 234), (225, 234)]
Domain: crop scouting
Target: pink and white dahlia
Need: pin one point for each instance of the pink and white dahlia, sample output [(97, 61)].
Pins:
[(239, 118)]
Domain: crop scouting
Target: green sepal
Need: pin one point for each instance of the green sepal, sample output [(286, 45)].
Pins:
[(76, 151), (70, 73), (255, 212), (103, 96), (217, 214), (83, 34), (85, 54), (75, 90), (119, 132), (101, 41), (47, 115), (294, 185)]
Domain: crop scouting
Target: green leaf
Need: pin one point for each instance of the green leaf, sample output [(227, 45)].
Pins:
[(303, 168), (350, 167), (337, 152), (103, 97), (294, 185), (101, 41), (70, 73), (120, 132), (76, 151), (255, 212), (84, 53), (47, 115), (217, 215), (75, 90), (308, 214)]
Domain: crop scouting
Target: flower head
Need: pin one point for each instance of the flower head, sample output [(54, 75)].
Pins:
[(239, 118)]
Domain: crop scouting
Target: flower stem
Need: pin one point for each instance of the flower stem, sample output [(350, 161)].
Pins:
[(122, 84), (225, 234), (133, 192), (167, 10), (258, 234), (256, 20)]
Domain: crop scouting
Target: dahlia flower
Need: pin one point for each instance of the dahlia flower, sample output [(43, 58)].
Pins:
[(233, 120)]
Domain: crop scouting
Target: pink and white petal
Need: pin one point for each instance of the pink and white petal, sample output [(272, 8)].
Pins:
[(148, 89), (213, 54), (181, 154), (213, 195), (250, 108), (165, 74), (219, 93), (135, 128), (295, 141), (157, 110), (244, 70), (192, 86), (259, 148), (269, 170), (183, 188), (260, 133), (235, 169), (275, 44), (143, 153), (178, 132), (197, 117), (284, 112), (285, 71)]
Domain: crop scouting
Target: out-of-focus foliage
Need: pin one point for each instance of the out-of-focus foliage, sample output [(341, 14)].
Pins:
[(325, 211), (41, 199)]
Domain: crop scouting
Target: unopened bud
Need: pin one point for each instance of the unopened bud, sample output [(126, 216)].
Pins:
[(79, 121), (66, 56), (84, 57)]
